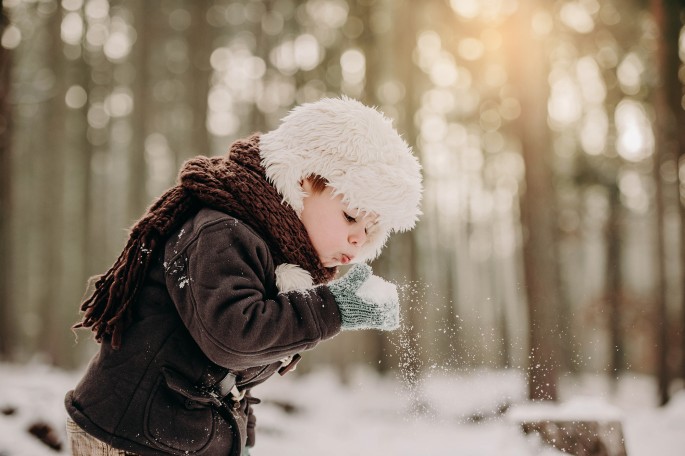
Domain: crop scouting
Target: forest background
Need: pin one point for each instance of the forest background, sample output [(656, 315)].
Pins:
[(551, 134)]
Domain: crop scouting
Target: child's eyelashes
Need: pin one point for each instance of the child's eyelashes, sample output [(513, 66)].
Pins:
[(351, 219)]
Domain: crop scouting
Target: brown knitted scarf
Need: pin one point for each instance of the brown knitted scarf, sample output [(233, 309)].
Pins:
[(235, 184)]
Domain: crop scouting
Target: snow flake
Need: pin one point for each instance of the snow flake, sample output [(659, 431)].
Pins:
[(183, 281)]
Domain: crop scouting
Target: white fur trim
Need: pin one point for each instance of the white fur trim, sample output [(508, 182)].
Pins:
[(361, 155), (292, 277)]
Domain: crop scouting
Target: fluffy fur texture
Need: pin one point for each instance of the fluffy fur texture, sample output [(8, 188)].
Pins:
[(292, 277), (358, 151)]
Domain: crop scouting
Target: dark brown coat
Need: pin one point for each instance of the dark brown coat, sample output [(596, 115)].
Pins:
[(211, 301)]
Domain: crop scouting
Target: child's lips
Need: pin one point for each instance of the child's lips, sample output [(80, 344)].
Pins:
[(344, 259)]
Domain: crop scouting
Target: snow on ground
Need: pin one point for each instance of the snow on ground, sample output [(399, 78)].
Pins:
[(445, 414)]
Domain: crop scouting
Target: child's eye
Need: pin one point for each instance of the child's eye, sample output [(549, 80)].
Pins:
[(349, 218)]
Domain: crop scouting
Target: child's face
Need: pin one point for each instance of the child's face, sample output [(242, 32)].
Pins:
[(336, 230)]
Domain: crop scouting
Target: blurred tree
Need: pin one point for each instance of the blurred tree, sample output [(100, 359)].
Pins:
[(680, 116), (614, 283), (262, 47), (201, 37), (76, 263), (408, 14), (7, 317), (143, 15), (537, 205), (668, 130), (602, 172), (49, 213), (372, 45)]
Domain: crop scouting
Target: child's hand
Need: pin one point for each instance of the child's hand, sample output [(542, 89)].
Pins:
[(366, 301)]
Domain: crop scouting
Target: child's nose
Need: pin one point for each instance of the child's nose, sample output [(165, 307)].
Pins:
[(358, 236)]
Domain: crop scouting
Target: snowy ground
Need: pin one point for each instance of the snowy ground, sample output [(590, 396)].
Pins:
[(446, 414)]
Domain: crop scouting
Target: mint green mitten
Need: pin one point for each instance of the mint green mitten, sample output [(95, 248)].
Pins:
[(366, 301)]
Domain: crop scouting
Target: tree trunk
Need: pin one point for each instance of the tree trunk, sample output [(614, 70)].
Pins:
[(138, 198), (200, 37), (7, 317), (51, 208), (669, 19), (680, 138), (614, 280), (370, 43), (537, 207), (403, 246), (77, 263), (667, 99)]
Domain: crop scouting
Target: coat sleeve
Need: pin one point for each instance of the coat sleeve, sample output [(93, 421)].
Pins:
[(217, 282)]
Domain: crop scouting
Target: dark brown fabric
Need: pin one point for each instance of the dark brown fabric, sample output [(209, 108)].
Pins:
[(235, 184), (209, 302)]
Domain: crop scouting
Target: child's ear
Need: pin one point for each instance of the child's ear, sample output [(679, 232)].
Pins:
[(306, 186)]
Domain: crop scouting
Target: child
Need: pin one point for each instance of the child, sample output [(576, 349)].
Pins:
[(228, 276)]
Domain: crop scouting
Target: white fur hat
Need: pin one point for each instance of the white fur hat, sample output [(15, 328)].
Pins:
[(357, 150)]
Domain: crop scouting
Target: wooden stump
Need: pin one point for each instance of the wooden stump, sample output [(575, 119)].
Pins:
[(580, 438), (582, 426)]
